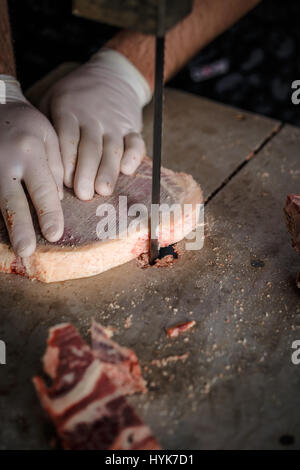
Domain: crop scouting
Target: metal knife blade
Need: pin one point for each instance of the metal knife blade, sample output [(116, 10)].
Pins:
[(157, 145)]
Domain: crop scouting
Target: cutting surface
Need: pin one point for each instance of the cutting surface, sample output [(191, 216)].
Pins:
[(238, 387)]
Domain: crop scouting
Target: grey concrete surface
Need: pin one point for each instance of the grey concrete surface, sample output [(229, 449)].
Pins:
[(238, 387)]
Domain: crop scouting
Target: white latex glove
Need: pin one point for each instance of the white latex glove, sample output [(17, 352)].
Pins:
[(29, 154), (97, 113)]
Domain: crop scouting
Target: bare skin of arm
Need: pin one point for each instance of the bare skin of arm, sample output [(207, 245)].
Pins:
[(208, 19), (7, 62)]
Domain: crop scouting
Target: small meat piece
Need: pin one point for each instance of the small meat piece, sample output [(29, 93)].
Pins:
[(143, 261), (292, 216), (174, 331), (120, 363), (167, 360), (177, 250), (87, 408), (165, 262), (128, 322)]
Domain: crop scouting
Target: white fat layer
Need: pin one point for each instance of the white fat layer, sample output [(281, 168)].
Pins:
[(83, 388), (77, 351), (50, 361), (91, 412)]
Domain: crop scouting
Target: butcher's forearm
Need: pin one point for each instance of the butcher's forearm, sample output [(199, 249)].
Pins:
[(7, 62), (208, 19)]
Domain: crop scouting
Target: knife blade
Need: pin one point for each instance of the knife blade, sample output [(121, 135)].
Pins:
[(157, 145)]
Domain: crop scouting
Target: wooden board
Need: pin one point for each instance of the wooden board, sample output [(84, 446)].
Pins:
[(238, 387)]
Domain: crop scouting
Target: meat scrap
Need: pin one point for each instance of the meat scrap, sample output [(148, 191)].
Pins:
[(128, 322), (121, 364), (292, 217), (174, 331), (166, 360), (167, 261), (143, 261), (88, 407)]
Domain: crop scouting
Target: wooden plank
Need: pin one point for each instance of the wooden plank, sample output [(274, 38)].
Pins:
[(239, 389), (211, 400)]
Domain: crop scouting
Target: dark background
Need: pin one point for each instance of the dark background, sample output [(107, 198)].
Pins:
[(261, 52)]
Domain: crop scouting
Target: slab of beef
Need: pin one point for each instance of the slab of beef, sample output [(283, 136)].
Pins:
[(87, 407), (83, 251)]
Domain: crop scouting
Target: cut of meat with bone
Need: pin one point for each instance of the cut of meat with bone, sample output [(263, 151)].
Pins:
[(84, 251), (121, 364), (292, 215), (87, 407)]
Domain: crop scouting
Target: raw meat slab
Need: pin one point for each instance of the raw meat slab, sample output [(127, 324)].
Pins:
[(86, 401), (80, 253)]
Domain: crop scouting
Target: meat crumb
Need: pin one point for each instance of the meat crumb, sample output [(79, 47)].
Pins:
[(165, 361), (174, 331), (164, 262), (128, 322)]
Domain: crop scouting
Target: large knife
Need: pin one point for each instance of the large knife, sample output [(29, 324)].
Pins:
[(157, 145)]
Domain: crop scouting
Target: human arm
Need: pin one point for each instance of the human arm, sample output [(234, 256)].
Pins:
[(29, 155), (208, 19), (97, 109)]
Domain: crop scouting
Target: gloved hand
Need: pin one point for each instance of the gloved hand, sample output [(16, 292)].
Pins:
[(97, 113), (29, 153)]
